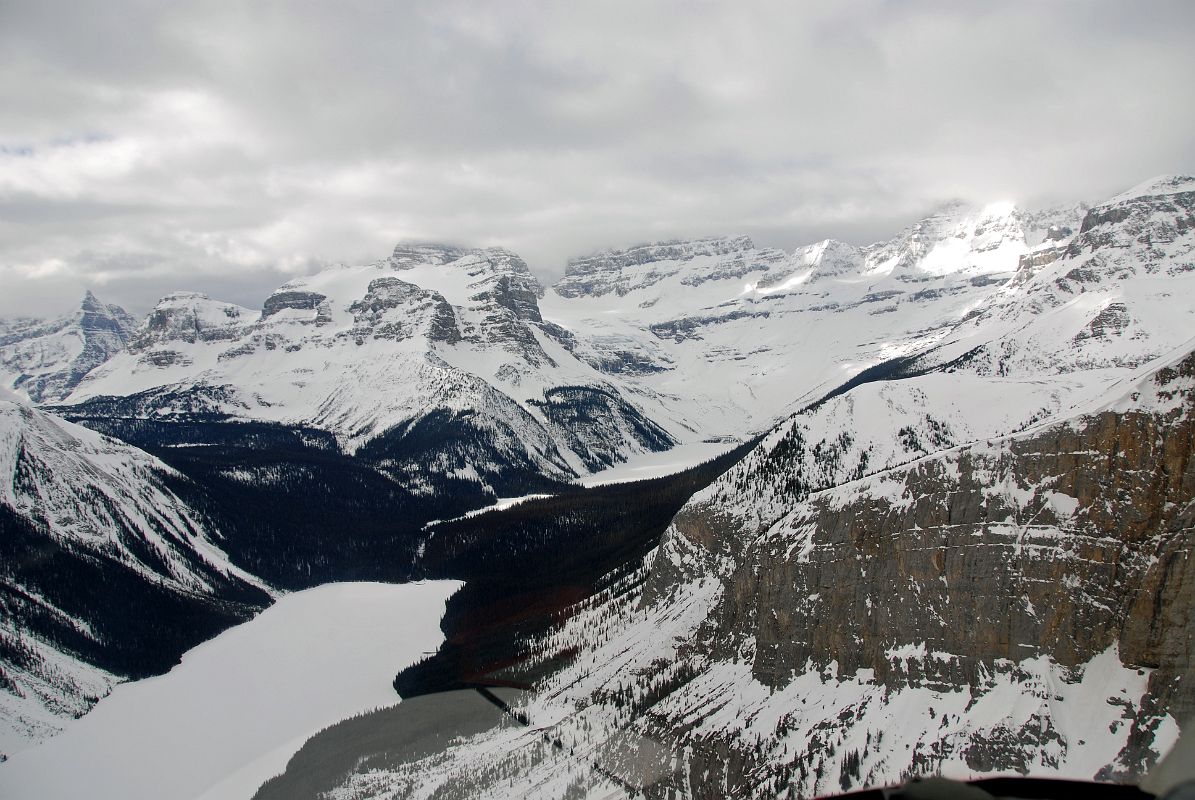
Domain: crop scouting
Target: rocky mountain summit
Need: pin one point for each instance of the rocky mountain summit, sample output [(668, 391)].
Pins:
[(695, 262), (46, 359)]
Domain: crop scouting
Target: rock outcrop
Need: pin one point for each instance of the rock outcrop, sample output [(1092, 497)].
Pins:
[(46, 359), (622, 271)]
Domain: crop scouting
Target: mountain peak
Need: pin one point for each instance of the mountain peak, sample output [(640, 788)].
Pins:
[(958, 239), (626, 270), (190, 317), (1154, 187), (830, 258), (414, 254), (669, 250), (45, 359)]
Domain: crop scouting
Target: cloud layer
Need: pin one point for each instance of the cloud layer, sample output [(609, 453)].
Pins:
[(147, 147)]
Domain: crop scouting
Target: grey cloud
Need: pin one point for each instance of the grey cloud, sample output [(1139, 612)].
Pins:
[(222, 147)]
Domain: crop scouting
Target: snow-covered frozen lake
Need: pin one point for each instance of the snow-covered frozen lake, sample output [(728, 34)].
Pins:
[(233, 712)]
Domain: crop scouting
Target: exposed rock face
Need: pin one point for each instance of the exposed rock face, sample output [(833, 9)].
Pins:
[(190, 317), (392, 308), (678, 330), (408, 255), (1157, 212), (1111, 321), (987, 551), (505, 294), (46, 359), (620, 271), (518, 296), (1062, 544), (303, 301), (1047, 253)]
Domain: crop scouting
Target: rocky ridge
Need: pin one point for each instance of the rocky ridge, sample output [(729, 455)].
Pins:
[(46, 359), (695, 262)]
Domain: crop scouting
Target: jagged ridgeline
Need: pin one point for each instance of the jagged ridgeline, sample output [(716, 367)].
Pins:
[(47, 358)]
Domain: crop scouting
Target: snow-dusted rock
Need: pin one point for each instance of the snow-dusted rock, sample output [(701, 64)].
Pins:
[(46, 359), (692, 262)]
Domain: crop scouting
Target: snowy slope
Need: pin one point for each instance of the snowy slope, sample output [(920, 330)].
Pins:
[(231, 714), (97, 494), (1116, 294), (90, 531), (732, 336), (45, 359)]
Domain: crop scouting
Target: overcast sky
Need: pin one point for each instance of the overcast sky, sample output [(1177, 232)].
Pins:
[(224, 147)]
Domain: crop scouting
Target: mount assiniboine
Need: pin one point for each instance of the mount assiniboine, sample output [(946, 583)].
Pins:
[(956, 536)]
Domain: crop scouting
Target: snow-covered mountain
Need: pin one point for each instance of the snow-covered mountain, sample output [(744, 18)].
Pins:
[(632, 351), (435, 360), (105, 572), (974, 558), (732, 337), (45, 359)]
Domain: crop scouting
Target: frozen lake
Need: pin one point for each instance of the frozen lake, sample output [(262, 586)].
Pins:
[(234, 711)]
